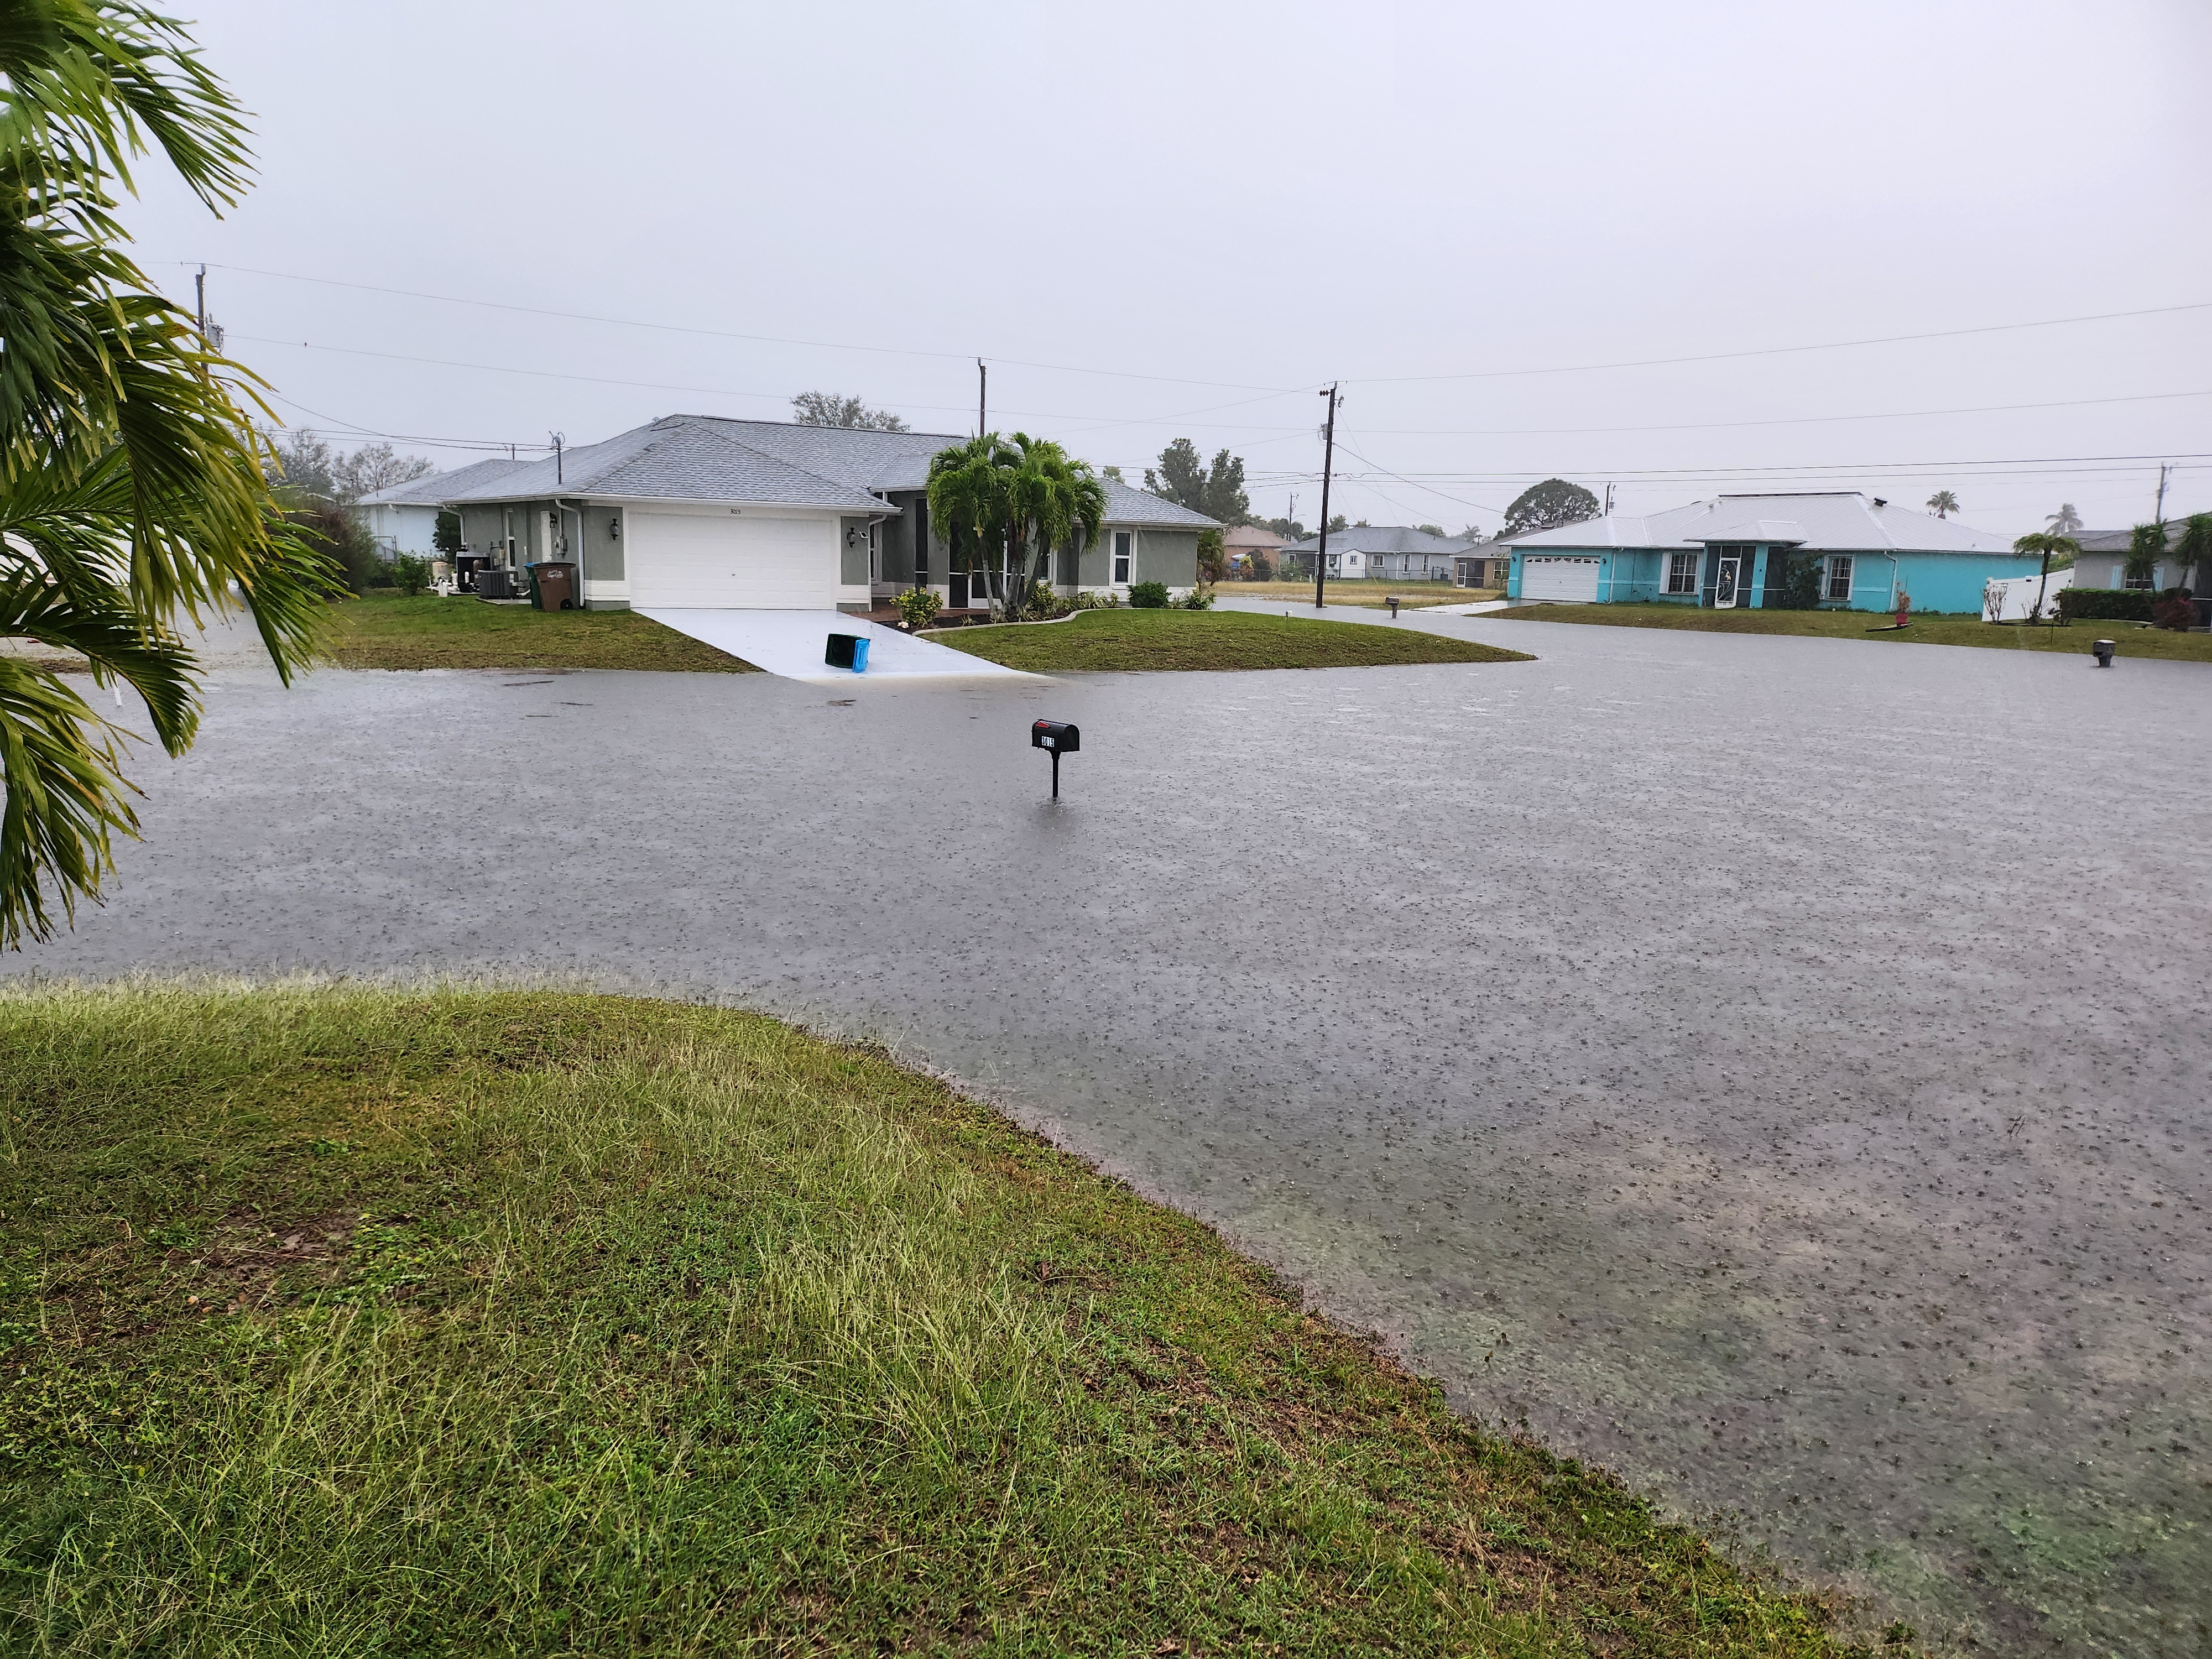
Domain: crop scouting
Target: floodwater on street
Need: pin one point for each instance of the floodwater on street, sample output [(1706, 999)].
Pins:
[(1774, 1069)]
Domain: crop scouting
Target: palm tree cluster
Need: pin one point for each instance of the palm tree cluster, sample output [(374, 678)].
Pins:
[(132, 495), (1005, 504)]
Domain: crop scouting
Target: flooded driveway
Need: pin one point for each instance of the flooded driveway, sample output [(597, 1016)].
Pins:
[(1774, 1067)]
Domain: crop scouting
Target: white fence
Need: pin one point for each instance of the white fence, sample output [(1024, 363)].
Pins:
[(2010, 598)]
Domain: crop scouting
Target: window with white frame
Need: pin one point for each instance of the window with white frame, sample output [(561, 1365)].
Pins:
[(2147, 582), (1125, 550), (1838, 585), (1681, 573)]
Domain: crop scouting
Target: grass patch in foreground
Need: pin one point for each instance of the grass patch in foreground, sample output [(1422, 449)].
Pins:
[(1127, 641), (2133, 639), (388, 630), (370, 1322), (1413, 595)]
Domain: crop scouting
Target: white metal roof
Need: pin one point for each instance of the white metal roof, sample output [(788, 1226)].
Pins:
[(1840, 522)]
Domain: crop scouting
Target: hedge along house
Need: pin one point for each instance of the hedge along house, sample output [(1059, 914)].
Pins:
[(697, 511), (1741, 551)]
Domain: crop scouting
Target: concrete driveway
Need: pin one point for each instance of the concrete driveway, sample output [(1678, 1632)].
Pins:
[(1774, 1067)]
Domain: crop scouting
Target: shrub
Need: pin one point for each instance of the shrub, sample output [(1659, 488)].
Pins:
[(2105, 603), (2176, 609), (1258, 567), (1149, 596), (1200, 598), (411, 573), (342, 536), (1090, 601), (918, 608), (1044, 605), (1212, 557)]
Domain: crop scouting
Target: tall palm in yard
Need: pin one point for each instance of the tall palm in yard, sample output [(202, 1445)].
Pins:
[(2145, 547), (2194, 550), (1053, 500), (2049, 547), (967, 497), (1943, 503), (1015, 502), (131, 494), (2066, 521)]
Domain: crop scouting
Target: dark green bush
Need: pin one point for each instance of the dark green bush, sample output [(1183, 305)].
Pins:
[(1149, 596), (2105, 603), (410, 574)]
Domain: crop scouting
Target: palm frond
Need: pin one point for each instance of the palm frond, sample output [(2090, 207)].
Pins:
[(65, 801)]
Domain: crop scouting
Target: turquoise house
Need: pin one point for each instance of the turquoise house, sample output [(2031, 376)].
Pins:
[(1739, 549)]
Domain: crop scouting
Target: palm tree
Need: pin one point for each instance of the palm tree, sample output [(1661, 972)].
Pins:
[(1013, 502), (1943, 503), (968, 496), (2145, 547), (2066, 521), (1053, 500), (131, 490), (2049, 546), (2195, 551)]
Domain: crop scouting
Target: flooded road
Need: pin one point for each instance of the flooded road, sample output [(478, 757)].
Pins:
[(1772, 1068)]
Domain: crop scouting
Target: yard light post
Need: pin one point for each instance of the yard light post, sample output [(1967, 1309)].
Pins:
[(1327, 460)]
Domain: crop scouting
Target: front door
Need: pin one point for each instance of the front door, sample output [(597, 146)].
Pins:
[(1724, 585)]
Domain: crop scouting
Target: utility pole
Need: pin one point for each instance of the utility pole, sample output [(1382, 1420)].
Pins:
[(1327, 462), (2158, 513), (199, 292), (1608, 500), (982, 387)]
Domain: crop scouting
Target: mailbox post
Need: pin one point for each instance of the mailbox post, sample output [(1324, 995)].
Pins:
[(1060, 739)]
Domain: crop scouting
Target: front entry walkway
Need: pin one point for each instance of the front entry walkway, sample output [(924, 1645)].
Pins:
[(791, 642)]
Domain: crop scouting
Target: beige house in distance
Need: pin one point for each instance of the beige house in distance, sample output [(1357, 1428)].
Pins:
[(1239, 541)]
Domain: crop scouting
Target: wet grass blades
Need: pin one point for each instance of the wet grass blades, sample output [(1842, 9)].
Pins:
[(353, 1321), (1127, 641), (388, 630)]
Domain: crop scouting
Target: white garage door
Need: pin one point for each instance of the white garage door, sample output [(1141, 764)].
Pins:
[(1550, 577), (751, 561)]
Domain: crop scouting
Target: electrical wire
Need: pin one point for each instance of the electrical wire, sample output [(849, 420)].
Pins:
[(1787, 351), (732, 334)]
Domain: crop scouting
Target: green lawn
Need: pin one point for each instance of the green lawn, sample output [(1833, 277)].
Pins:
[(1124, 641), (1413, 595), (2133, 639), (365, 1321), (385, 630)]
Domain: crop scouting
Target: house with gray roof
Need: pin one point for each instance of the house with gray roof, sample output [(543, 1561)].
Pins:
[(1384, 552), (404, 517), (700, 512), (1742, 550), (2103, 561)]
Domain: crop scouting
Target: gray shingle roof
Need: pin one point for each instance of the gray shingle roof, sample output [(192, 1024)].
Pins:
[(707, 458), (1381, 538), (1126, 504), (680, 458), (1842, 521), (432, 488)]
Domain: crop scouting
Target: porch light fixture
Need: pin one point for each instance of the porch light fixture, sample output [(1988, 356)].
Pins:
[(614, 528)]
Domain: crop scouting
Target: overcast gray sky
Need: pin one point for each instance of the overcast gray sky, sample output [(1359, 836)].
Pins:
[(1158, 220)]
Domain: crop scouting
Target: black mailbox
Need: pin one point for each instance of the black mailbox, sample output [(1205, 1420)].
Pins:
[(1056, 735)]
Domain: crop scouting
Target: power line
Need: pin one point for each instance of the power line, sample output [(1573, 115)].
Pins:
[(724, 391), (731, 334), (1791, 350), (1778, 420)]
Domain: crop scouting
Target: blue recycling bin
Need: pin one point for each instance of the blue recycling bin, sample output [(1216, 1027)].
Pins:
[(860, 654)]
